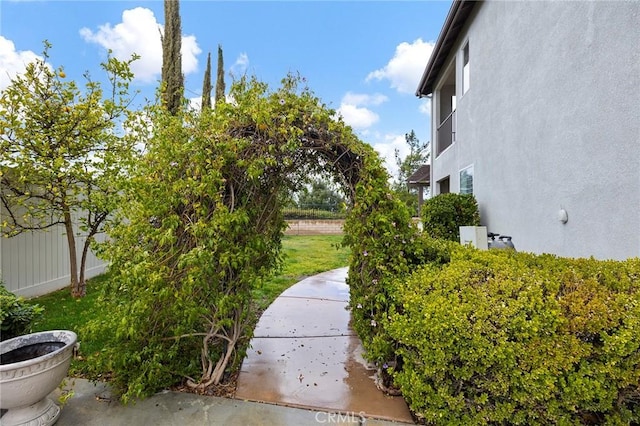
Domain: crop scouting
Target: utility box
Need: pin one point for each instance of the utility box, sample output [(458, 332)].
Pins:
[(476, 236)]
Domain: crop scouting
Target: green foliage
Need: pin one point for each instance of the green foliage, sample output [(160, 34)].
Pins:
[(320, 196), (64, 312), (202, 227), (443, 214), (302, 256), (220, 85), (409, 196), (60, 152), (16, 315), (206, 85), (513, 338), (385, 246), (417, 156), (172, 78)]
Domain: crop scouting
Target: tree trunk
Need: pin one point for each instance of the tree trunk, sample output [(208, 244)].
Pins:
[(83, 265), (77, 290)]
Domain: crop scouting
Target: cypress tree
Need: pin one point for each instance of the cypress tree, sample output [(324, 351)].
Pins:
[(172, 79), (206, 85), (220, 77)]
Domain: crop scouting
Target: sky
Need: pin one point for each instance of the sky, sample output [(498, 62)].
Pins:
[(362, 58)]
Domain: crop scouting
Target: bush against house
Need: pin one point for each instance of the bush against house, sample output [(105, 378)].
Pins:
[(444, 214), (512, 338)]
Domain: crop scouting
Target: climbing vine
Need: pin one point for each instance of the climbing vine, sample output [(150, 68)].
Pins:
[(203, 222)]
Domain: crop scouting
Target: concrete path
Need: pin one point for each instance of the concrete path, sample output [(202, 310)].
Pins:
[(305, 354), (305, 368), (93, 405)]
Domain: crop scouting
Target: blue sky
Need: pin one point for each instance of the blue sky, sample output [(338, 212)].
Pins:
[(362, 58)]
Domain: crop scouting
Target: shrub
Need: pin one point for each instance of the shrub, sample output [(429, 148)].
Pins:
[(16, 315), (514, 338), (443, 214)]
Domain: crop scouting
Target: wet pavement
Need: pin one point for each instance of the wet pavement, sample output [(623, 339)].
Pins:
[(305, 368), (93, 404), (305, 354)]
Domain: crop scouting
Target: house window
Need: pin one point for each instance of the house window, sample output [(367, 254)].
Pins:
[(443, 186), (465, 68), (466, 180)]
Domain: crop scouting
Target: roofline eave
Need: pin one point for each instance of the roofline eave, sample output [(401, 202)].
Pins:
[(456, 18)]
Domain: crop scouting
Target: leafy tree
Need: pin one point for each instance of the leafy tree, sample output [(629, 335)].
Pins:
[(60, 155), (319, 195), (206, 85), (417, 156), (172, 78), (220, 77)]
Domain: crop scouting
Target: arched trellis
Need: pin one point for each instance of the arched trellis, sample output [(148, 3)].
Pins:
[(203, 224)]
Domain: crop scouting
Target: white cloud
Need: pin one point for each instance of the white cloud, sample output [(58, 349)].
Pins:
[(139, 32), (425, 106), (357, 117), (239, 67), (386, 146), (364, 99), (354, 112), (406, 67), (12, 61)]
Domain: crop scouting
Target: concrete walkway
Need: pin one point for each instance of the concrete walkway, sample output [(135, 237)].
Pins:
[(305, 368), (93, 405), (305, 354)]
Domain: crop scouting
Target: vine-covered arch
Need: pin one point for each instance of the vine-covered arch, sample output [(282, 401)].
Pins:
[(203, 223)]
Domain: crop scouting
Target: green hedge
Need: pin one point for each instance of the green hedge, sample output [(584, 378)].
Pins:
[(16, 315), (514, 338), (443, 214)]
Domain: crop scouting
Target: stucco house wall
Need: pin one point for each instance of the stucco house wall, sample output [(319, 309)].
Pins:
[(551, 121)]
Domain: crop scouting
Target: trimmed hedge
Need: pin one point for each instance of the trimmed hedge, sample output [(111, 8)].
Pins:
[(514, 338), (443, 214)]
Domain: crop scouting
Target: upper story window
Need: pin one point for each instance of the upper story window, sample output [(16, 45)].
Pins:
[(465, 68)]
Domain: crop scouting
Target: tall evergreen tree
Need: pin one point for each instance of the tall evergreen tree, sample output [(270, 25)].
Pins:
[(206, 85), (220, 77), (172, 79)]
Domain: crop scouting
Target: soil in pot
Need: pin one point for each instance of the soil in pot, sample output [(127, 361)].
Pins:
[(27, 352)]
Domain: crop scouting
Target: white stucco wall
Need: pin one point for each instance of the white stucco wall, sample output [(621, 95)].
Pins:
[(551, 121)]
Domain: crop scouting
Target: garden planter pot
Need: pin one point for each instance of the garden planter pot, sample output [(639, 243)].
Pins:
[(31, 367)]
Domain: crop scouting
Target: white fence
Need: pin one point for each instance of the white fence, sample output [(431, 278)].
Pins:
[(36, 263)]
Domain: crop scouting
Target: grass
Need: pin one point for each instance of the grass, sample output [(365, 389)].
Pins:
[(304, 256)]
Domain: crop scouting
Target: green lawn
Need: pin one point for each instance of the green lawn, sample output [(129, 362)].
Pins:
[(304, 256)]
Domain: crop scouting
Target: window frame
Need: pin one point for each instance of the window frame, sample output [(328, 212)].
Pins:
[(470, 175), (466, 68)]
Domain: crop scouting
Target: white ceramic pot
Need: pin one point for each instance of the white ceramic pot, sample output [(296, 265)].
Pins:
[(31, 367)]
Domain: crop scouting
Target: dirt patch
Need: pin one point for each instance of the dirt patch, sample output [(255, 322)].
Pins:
[(223, 390)]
